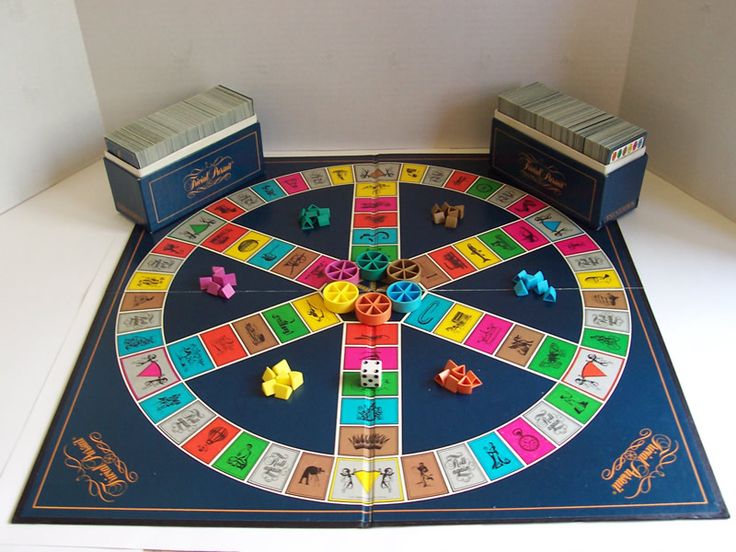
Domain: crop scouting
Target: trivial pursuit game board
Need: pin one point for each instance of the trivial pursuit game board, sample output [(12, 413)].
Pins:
[(579, 415)]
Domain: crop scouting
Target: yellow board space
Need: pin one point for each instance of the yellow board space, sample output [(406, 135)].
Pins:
[(150, 281), (412, 173), (247, 246), (341, 174), (457, 323), (599, 279), (375, 189), (312, 309), (477, 253)]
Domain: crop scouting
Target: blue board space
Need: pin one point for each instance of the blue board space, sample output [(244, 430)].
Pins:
[(174, 488)]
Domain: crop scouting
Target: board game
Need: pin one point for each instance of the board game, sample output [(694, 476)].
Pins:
[(579, 415)]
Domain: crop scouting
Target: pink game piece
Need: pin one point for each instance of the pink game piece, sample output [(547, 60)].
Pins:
[(227, 291), (218, 271), (204, 282), (229, 278), (214, 288), (219, 279)]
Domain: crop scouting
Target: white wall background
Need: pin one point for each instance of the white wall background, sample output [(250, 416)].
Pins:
[(50, 119), (681, 86)]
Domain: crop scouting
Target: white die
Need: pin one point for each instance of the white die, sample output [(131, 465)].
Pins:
[(370, 373)]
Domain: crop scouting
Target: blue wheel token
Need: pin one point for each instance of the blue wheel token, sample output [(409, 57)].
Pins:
[(405, 296)]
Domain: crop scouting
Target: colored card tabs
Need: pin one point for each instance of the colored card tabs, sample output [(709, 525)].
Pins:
[(553, 358), (600, 279), (412, 173), (460, 181), (226, 209), (167, 402), (501, 244), (483, 188), (391, 251), (139, 341), (375, 220), (246, 198), (369, 482), (461, 468), (452, 262), (241, 455), (160, 263), (368, 441), (197, 227), (594, 372), (520, 345), (578, 244), (314, 313), (422, 476), (572, 402), (341, 174), (364, 411), (553, 424), (430, 275), (269, 255), (554, 224), (223, 345), (360, 334), (488, 334), (148, 372), (607, 319), (314, 276), (494, 456), (525, 234), (140, 320), (436, 176), (190, 357), (351, 385), (142, 300), (526, 441), (354, 356), (187, 421), (269, 190), (505, 196), (173, 248), (206, 444), (285, 323), (605, 299), (311, 476), (594, 260), (246, 246), (372, 172), (148, 281), (255, 333), (432, 309), (274, 467), (316, 178), (224, 237), (373, 205), (527, 205), (375, 236), (477, 253), (292, 183), (609, 342), (458, 322), (376, 189), (295, 262)]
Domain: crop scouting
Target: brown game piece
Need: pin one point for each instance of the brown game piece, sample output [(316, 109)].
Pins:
[(461, 211), (438, 217), (445, 207), (451, 221)]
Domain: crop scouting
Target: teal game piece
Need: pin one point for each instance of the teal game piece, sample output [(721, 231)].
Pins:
[(551, 295), (372, 265), (520, 289), (541, 287)]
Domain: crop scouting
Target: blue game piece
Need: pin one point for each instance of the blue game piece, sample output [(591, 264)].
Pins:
[(541, 287), (405, 296), (521, 276), (532, 281), (551, 295), (520, 289)]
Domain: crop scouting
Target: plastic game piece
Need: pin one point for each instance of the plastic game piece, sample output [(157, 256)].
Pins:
[(296, 379), (204, 282), (521, 276), (282, 391), (280, 380), (312, 217), (460, 211), (405, 296), (520, 289), (403, 269), (372, 265), (226, 291), (451, 221), (218, 271), (220, 283), (371, 372), (339, 297), (551, 295), (456, 379), (268, 387), (541, 287), (213, 288), (373, 309), (268, 374), (343, 271), (281, 367), (438, 217)]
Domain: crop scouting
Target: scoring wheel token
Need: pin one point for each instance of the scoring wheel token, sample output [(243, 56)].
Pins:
[(405, 296), (403, 269), (373, 309), (372, 265), (340, 297), (343, 271)]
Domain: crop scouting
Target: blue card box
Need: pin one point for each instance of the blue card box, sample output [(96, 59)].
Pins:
[(160, 198), (581, 189)]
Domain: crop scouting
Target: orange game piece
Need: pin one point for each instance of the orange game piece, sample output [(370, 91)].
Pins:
[(373, 309), (456, 379)]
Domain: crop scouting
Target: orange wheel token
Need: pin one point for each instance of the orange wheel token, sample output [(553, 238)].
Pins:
[(373, 309)]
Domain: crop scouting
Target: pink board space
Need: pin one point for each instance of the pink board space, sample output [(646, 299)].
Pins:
[(389, 357), (374, 205), (314, 276), (578, 244), (293, 183), (488, 334), (524, 233), (527, 205), (526, 441)]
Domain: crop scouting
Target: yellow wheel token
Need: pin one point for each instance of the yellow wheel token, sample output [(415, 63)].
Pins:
[(340, 296)]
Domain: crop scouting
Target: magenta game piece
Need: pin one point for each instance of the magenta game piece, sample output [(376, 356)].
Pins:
[(219, 278), (343, 270), (218, 271), (227, 291), (229, 278), (214, 288), (204, 281)]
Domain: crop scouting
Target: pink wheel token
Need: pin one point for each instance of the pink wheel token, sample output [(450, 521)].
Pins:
[(343, 270)]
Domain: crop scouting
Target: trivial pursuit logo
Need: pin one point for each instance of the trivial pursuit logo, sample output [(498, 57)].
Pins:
[(633, 472), (202, 178), (544, 175), (98, 467)]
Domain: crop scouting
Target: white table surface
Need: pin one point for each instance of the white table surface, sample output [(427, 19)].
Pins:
[(59, 249)]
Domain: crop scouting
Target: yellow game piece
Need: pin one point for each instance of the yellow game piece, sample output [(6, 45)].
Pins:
[(340, 296), (282, 391), (268, 374), (268, 387), (284, 379), (281, 367), (297, 379)]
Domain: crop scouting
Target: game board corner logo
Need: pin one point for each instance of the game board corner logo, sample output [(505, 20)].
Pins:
[(203, 178), (545, 175), (633, 472), (106, 476)]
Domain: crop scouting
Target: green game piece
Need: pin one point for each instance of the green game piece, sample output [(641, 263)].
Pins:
[(285, 323), (391, 251), (501, 244), (323, 220), (306, 223), (240, 457), (371, 262), (351, 385), (553, 357), (606, 341), (483, 188), (572, 402)]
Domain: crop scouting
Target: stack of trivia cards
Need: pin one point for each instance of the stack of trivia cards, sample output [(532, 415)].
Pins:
[(155, 136), (599, 135)]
